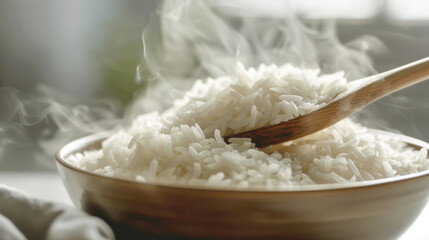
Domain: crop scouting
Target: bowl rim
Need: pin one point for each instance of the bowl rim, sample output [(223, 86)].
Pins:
[(82, 143)]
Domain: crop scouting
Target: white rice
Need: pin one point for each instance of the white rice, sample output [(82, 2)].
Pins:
[(184, 145)]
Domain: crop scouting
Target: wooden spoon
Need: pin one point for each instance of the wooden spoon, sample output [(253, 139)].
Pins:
[(359, 93)]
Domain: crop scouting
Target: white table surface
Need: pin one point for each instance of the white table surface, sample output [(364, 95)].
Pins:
[(48, 186)]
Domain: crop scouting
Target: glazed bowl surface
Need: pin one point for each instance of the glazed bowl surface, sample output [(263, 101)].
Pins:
[(378, 209)]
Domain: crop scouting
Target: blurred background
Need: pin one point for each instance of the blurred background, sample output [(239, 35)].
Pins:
[(87, 50), (73, 52)]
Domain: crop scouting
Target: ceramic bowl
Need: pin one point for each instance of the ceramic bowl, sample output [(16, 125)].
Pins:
[(379, 209)]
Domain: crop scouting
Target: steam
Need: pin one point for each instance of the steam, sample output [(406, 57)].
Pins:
[(396, 110), (197, 39), (51, 119), (185, 41)]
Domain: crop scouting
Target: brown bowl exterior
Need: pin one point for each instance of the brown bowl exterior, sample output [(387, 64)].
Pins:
[(383, 210)]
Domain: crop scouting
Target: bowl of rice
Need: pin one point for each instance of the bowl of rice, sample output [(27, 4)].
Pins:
[(171, 175)]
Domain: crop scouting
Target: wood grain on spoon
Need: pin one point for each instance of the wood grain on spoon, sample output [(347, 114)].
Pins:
[(359, 94)]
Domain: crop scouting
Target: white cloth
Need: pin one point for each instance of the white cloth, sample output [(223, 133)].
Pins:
[(25, 217)]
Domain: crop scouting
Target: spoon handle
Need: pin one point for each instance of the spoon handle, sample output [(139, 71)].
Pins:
[(399, 78), (358, 95)]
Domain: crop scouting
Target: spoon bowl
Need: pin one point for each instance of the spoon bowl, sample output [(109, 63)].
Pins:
[(359, 94)]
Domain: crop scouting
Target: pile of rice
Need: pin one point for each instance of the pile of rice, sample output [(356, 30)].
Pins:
[(184, 145)]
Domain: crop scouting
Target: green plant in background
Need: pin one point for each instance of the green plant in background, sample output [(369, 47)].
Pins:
[(119, 57)]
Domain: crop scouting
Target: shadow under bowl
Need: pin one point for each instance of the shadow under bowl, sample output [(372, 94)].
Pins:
[(379, 209)]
